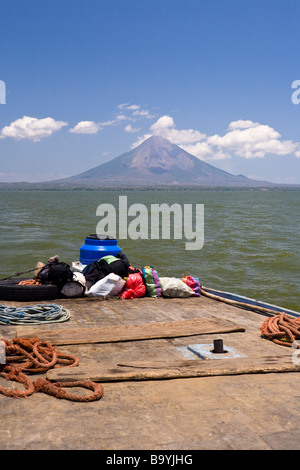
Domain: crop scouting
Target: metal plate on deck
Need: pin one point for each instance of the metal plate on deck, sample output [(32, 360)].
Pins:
[(205, 351)]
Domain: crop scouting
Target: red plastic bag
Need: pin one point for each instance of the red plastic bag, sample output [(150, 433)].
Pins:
[(134, 287)]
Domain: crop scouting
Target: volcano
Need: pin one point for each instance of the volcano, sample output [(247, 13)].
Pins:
[(156, 162)]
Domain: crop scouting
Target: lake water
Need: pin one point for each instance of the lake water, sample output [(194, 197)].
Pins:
[(251, 237)]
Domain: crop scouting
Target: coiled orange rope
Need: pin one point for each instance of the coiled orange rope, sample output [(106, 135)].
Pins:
[(31, 356), (281, 329)]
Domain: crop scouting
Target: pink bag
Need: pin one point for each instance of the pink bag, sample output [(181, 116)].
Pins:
[(193, 283)]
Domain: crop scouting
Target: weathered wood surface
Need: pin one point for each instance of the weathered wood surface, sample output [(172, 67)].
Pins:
[(131, 371), (112, 334), (250, 410)]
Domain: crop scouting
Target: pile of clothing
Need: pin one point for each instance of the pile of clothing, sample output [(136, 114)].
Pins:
[(114, 276)]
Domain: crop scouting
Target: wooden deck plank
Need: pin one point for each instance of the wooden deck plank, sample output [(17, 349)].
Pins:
[(110, 334), (161, 370)]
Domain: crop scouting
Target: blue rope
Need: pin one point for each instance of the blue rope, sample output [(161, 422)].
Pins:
[(33, 314)]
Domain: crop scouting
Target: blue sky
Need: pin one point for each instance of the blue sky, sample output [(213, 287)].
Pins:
[(88, 80)]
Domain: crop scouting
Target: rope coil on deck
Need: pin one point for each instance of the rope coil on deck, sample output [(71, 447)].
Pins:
[(281, 329), (33, 314), (30, 355)]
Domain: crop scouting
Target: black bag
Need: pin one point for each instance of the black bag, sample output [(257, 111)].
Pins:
[(119, 266), (97, 270), (56, 273), (92, 273)]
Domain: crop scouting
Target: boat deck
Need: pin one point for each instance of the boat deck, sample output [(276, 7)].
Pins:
[(158, 393)]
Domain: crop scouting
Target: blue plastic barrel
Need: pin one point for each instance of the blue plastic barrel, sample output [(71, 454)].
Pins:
[(97, 246)]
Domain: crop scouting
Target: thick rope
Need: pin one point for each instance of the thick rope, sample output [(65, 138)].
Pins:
[(30, 355), (33, 314), (18, 274), (56, 390), (281, 329)]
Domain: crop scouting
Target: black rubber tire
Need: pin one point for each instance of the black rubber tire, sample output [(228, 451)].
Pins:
[(10, 290)]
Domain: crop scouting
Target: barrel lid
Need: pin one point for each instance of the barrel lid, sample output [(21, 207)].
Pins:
[(94, 236)]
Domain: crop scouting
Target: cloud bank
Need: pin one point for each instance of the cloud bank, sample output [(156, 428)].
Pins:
[(127, 112), (35, 129), (244, 138)]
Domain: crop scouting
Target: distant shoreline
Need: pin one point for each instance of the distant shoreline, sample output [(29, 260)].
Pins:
[(37, 187)]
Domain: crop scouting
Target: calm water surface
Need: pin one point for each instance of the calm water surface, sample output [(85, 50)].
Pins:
[(251, 238)]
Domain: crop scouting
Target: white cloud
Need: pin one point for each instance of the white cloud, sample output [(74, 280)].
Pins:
[(127, 112), (244, 138), (163, 123), (140, 140), (123, 105), (165, 127), (133, 107), (136, 110), (143, 113), (112, 122), (202, 150), (252, 140), (121, 117), (92, 127), (242, 124), (131, 129), (32, 128), (85, 127)]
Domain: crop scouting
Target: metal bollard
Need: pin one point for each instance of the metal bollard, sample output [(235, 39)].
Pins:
[(218, 346)]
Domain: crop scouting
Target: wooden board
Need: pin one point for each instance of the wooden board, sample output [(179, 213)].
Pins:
[(131, 371), (109, 334)]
